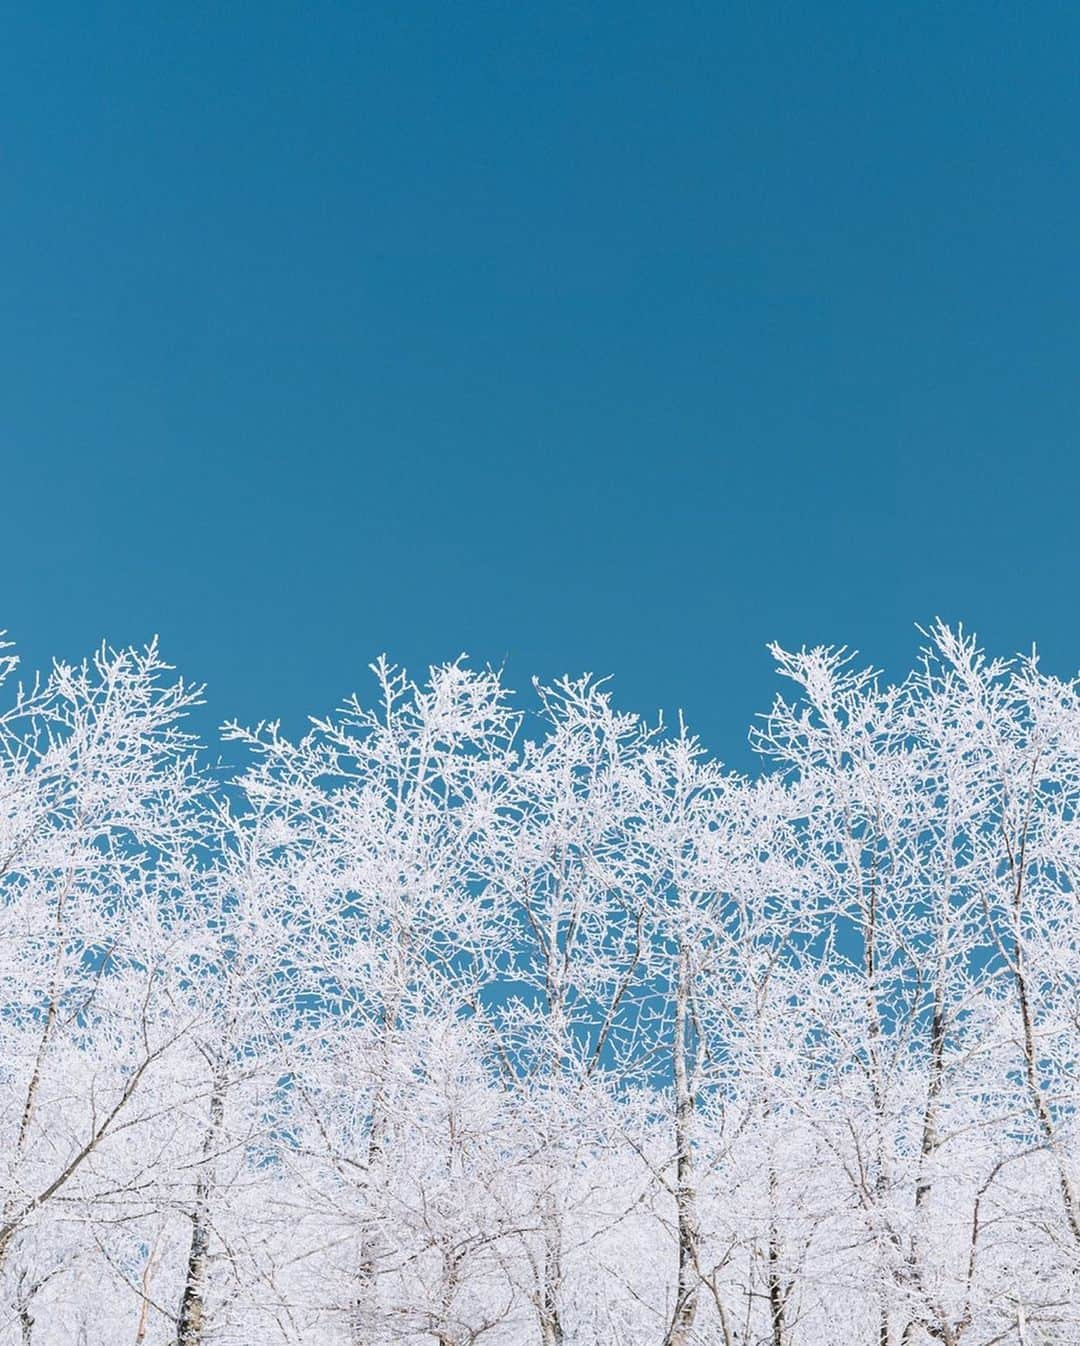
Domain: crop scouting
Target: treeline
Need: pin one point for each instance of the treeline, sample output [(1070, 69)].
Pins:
[(471, 1024)]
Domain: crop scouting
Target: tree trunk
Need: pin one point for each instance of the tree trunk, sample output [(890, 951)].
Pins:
[(444, 1336), (1038, 1102), (928, 1145), (32, 1088), (778, 1291), (191, 1323), (1043, 1115), (376, 1154), (682, 1322), (551, 1330)]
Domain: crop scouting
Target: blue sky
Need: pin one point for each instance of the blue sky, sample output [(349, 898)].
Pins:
[(610, 337)]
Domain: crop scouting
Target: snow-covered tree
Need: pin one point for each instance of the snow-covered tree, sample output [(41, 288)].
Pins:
[(470, 1021)]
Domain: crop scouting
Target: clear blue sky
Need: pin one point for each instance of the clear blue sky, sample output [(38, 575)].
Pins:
[(616, 337)]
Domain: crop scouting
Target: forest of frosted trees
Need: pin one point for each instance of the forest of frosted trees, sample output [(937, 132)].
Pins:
[(471, 1019)]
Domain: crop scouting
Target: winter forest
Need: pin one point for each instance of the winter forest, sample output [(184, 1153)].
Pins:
[(478, 1019)]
